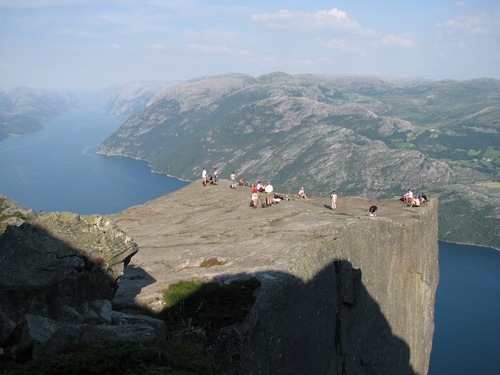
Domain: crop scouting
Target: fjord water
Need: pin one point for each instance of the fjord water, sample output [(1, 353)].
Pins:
[(56, 169), (467, 312)]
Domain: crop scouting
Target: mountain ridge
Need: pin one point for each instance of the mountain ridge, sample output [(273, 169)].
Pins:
[(358, 135), (24, 110)]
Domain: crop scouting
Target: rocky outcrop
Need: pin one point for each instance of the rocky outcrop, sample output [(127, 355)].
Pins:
[(59, 275), (12, 213), (340, 292)]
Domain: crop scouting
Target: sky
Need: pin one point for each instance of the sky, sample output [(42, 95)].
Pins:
[(92, 44)]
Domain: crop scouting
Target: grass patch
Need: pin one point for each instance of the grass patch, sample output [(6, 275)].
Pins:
[(209, 305), (492, 186), (178, 292)]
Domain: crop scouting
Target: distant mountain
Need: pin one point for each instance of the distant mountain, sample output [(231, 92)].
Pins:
[(358, 135), (24, 110), (124, 100)]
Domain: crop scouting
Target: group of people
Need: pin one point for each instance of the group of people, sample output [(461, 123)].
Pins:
[(411, 199), (263, 188), (414, 200), (209, 178), (270, 196)]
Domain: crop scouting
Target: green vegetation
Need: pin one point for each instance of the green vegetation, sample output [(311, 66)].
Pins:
[(5, 218), (124, 358), (177, 293), (492, 186), (209, 305), (461, 221)]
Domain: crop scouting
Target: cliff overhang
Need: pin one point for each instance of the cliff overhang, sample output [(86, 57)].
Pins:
[(340, 291)]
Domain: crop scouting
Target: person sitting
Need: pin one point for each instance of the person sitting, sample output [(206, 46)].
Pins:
[(371, 211), (240, 182), (416, 202), (278, 198), (408, 197), (302, 193)]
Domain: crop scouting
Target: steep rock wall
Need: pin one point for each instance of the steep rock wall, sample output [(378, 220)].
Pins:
[(341, 292), (360, 301)]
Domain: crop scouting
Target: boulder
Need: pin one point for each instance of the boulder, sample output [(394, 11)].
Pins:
[(59, 275)]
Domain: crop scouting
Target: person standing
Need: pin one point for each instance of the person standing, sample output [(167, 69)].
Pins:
[(204, 176), (255, 196), (216, 176), (233, 180), (334, 200), (269, 193)]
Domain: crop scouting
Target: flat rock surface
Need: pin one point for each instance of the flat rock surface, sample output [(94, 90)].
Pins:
[(204, 231)]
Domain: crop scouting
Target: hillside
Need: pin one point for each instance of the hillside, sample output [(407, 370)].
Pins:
[(358, 135), (24, 110)]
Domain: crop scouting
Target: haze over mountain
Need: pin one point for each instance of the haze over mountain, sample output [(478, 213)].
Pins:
[(23, 109), (358, 135)]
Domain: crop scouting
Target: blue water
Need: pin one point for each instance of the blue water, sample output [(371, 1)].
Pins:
[(467, 314), (56, 169)]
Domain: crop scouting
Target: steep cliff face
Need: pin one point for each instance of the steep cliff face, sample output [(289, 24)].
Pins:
[(341, 292)]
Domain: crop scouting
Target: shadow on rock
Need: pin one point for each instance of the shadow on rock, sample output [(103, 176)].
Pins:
[(274, 323), (59, 275)]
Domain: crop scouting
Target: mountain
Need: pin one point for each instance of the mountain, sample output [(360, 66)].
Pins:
[(364, 136), (24, 110), (124, 100)]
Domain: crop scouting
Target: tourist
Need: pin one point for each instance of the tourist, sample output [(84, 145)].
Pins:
[(255, 196), (204, 176), (334, 200), (215, 177), (233, 180), (302, 193), (371, 211), (269, 193), (408, 197)]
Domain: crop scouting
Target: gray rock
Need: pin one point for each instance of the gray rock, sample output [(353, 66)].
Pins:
[(62, 267), (41, 336), (341, 292)]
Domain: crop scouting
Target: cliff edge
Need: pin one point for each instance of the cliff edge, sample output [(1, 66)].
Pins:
[(341, 292)]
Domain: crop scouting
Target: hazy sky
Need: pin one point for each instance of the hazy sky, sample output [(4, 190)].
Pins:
[(69, 44)]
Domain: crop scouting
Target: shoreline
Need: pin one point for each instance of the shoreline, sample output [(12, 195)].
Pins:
[(144, 160), (190, 181), (470, 244)]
